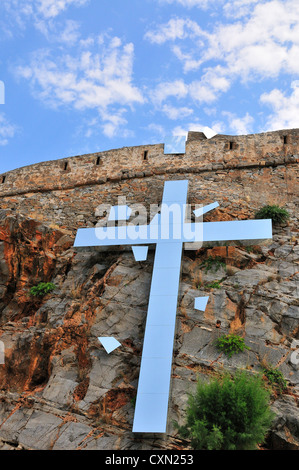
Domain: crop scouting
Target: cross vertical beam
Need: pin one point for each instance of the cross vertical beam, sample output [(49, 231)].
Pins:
[(168, 231), (156, 362)]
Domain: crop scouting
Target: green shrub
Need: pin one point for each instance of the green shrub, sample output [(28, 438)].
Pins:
[(230, 344), (214, 285), (228, 414), (276, 213), (213, 264), (275, 378), (42, 289)]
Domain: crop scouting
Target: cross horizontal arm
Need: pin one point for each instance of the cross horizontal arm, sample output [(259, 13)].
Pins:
[(237, 230), (185, 233), (137, 235)]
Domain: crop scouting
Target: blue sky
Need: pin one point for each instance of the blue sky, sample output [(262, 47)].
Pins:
[(83, 76)]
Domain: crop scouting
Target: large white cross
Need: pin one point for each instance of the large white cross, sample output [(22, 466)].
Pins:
[(169, 232)]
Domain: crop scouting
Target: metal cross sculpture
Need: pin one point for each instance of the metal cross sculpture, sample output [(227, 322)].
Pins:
[(168, 231)]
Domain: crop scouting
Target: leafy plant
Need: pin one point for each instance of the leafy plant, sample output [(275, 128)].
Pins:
[(252, 249), (213, 263), (211, 285), (229, 413), (231, 344), (277, 214), (214, 285), (42, 289), (275, 378)]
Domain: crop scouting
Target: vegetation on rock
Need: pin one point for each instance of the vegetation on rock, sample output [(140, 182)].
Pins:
[(277, 214), (230, 344), (275, 378), (42, 289), (214, 285), (213, 263), (229, 413)]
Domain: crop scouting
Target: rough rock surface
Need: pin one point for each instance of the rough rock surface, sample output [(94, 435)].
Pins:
[(58, 387), (60, 390)]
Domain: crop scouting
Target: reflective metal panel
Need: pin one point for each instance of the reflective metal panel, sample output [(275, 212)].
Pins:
[(165, 281), (175, 191), (152, 378), (149, 234), (109, 343), (203, 210), (237, 230), (168, 256), (137, 235), (140, 252), (160, 310), (158, 341), (175, 145), (159, 333), (200, 303), (152, 412)]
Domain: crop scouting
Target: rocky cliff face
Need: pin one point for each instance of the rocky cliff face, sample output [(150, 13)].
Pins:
[(58, 387)]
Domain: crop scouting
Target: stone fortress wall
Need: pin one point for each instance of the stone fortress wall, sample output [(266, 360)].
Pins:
[(240, 172)]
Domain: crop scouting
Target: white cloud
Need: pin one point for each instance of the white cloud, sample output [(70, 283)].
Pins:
[(208, 88), (66, 33), (98, 76), (260, 45), (106, 123), (176, 113), (189, 63), (157, 129), (259, 41), (285, 108), (217, 128), (235, 8), (70, 33), (189, 3), (177, 89), (239, 8), (176, 28), (24, 9), (204, 90), (7, 130), (112, 123), (43, 15), (52, 8), (239, 125), (236, 125)]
